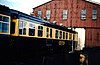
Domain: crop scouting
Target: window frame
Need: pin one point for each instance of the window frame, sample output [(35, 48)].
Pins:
[(50, 32), (64, 35), (94, 14), (67, 34), (60, 34), (65, 14), (39, 14), (4, 29), (83, 14), (40, 30), (47, 32), (32, 28), (22, 27), (56, 33), (48, 12), (70, 36)]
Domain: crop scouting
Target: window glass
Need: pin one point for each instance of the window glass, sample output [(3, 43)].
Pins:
[(5, 27), (5, 19), (4, 24), (48, 14), (70, 36), (65, 14), (22, 28), (60, 34), (63, 35), (0, 18), (56, 34), (73, 36), (0, 27), (40, 14), (31, 29), (40, 31), (20, 25), (66, 35), (94, 14), (50, 33), (47, 32), (83, 14)]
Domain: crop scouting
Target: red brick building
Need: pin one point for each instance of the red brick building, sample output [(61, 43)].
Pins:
[(74, 13)]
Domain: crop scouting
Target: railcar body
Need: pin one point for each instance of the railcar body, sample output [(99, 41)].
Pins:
[(40, 34), (4, 25), (29, 33)]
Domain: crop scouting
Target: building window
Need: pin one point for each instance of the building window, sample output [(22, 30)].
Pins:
[(65, 14), (48, 14), (83, 14), (94, 14), (40, 14)]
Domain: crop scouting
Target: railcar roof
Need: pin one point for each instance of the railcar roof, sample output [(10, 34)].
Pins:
[(41, 21), (21, 14), (4, 10)]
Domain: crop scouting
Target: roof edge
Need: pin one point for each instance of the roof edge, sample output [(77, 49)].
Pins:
[(94, 2), (42, 4), (90, 1)]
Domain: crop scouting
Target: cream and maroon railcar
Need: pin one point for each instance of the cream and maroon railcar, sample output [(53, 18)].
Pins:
[(32, 32), (24, 32)]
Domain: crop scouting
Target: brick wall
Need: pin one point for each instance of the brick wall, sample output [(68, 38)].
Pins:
[(74, 8)]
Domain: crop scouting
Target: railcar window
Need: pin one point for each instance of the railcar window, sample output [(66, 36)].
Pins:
[(73, 36), (47, 35), (31, 29), (0, 23), (0, 18), (63, 35), (50, 33), (0, 27), (22, 28), (70, 36), (5, 27), (12, 28), (5, 19), (56, 34), (66, 35), (40, 31), (60, 34), (4, 24)]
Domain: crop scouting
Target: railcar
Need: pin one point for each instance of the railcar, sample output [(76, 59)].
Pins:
[(30, 32), (4, 25), (27, 33)]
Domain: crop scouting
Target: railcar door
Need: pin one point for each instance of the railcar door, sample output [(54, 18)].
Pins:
[(14, 25)]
